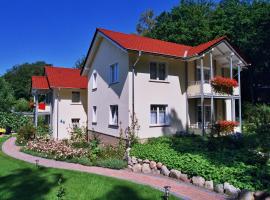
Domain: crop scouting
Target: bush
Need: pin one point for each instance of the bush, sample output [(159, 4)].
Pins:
[(15, 121), (111, 163), (230, 162), (21, 105), (26, 133)]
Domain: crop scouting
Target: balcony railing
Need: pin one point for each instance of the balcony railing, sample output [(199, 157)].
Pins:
[(194, 89)]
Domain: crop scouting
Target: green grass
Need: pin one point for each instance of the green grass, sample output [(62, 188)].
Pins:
[(220, 159), (21, 180)]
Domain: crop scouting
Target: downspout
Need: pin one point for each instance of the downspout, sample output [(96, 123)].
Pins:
[(57, 114), (133, 90)]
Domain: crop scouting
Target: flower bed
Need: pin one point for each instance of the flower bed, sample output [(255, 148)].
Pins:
[(223, 85)]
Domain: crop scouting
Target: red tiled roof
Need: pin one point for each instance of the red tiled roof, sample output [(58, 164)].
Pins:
[(139, 43), (39, 82), (59, 77)]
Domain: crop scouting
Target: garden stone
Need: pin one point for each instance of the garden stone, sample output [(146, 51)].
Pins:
[(175, 173), (146, 169), (140, 161), (129, 168), (198, 181), (246, 195), (219, 188), (130, 161), (134, 160), (159, 165), (184, 178), (137, 168), (155, 171), (153, 164), (230, 190), (209, 185), (164, 171), (146, 161)]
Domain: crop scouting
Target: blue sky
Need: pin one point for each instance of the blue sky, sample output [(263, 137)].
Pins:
[(59, 31)]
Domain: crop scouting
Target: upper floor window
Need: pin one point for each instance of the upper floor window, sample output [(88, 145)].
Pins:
[(158, 71), (114, 73), (76, 97), (206, 72), (94, 80), (113, 115), (158, 114)]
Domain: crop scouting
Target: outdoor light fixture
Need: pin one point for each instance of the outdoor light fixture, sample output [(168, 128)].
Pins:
[(167, 192), (37, 163)]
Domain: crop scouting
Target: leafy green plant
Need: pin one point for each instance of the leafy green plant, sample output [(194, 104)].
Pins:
[(15, 121), (26, 133), (112, 163), (61, 192)]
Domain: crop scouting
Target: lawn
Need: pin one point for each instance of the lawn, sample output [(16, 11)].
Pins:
[(21, 180), (218, 159)]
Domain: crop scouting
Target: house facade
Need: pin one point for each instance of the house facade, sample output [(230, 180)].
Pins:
[(167, 86), (64, 93)]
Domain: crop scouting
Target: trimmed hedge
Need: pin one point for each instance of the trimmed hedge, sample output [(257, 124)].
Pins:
[(225, 162)]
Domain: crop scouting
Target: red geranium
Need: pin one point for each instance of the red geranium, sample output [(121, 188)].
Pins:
[(225, 127), (223, 85)]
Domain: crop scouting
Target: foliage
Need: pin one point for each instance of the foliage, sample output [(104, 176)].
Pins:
[(80, 62), (146, 22), (224, 127), (21, 105), (15, 121), (223, 85), (61, 192), (116, 152), (112, 163), (43, 130), (26, 133), (132, 131), (19, 77), (227, 160), (78, 134), (6, 96)]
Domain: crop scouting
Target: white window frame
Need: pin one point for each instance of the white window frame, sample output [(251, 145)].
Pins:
[(157, 117), (76, 102), (198, 68), (113, 120), (94, 114), (94, 80), (157, 71), (114, 73)]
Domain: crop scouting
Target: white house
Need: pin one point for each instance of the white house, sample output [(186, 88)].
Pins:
[(64, 93), (166, 85)]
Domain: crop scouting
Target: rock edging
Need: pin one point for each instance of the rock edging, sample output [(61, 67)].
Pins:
[(152, 167)]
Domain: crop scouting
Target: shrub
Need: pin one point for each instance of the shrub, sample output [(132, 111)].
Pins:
[(111, 163), (15, 121), (26, 133), (78, 134), (112, 152), (21, 105)]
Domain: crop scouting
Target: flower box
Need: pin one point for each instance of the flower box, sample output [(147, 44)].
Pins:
[(224, 127), (223, 85)]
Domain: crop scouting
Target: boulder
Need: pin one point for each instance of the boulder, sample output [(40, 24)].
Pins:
[(153, 164), (164, 171), (155, 171), (137, 168), (230, 190), (146, 169), (146, 161), (260, 195), (219, 188), (184, 178), (129, 161), (209, 185), (159, 165), (246, 195), (130, 168), (198, 181), (175, 173), (140, 161), (134, 160)]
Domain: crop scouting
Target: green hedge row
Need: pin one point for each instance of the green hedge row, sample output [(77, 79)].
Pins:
[(15, 121)]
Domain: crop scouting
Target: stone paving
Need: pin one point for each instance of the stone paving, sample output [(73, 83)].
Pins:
[(180, 189)]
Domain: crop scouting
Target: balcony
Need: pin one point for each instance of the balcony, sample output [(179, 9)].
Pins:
[(194, 89), (44, 108)]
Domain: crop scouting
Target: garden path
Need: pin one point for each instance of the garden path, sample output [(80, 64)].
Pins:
[(180, 189)]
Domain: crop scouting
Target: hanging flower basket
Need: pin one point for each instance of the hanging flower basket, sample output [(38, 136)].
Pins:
[(224, 127), (223, 85)]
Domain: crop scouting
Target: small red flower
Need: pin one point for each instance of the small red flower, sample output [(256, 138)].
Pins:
[(225, 126), (223, 85)]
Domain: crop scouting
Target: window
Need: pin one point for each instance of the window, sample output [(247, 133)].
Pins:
[(75, 122), (114, 72), (158, 71), (94, 114), (76, 98), (113, 115), (158, 115), (206, 72), (94, 81), (207, 114)]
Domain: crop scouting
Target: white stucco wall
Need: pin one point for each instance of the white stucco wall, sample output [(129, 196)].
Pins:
[(106, 94), (171, 93), (67, 111)]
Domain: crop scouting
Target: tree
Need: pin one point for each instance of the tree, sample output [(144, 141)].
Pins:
[(146, 22), (21, 105), (6, 96), (80, 62), (19, 77)]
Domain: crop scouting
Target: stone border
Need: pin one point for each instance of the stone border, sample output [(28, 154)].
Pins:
[(152, 167)]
